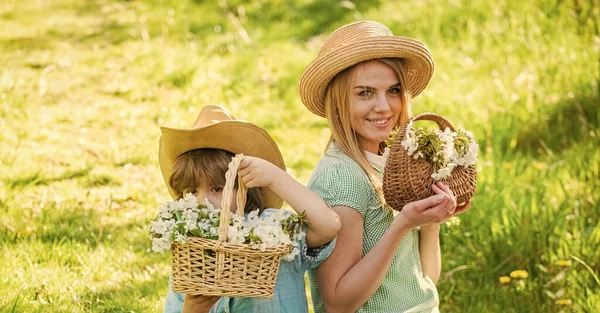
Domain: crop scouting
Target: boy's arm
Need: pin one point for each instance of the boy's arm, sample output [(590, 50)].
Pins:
[(198, 304), (323, 223)]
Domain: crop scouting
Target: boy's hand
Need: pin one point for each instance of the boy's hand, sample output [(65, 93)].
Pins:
[(256, 172), (198, 304)]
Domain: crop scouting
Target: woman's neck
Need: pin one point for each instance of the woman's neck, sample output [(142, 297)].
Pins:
[(372, 147)]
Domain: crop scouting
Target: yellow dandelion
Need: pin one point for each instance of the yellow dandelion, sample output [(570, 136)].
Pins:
[(504, 280), (538, 165), (564, 302), (564, 263), (519, 274)]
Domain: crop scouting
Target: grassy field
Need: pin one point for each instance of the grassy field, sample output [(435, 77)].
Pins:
[(85, 85)]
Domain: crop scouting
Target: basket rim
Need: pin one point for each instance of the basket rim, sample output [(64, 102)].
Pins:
[(223, 246)]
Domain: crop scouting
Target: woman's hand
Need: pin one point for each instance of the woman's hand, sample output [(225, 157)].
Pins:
[(462, 208), (457, 209), (256, 172), (198, 304), (433, 210)]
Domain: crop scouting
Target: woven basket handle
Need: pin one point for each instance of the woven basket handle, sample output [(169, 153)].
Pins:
[(442, 122), (227, 193)]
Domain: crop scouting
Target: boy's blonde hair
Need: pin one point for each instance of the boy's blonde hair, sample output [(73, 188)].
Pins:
[(338, 111), (209, 166)]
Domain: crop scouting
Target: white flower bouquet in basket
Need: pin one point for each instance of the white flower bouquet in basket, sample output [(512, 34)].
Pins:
[(181, 219), (417, 157), (218, 253)]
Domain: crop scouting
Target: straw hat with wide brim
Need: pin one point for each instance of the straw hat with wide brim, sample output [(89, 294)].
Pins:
[(216, 128), (359, 42)]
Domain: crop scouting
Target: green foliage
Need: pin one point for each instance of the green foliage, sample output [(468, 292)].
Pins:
[(85, 85)]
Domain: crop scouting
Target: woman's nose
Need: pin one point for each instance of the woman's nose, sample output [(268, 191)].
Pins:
[(382, 103)]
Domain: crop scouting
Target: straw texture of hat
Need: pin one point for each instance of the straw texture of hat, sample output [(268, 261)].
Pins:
[(358, 42), (216, 128)]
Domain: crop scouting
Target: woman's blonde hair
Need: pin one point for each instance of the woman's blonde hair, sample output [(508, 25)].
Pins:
[(338, 112), (209, 166)]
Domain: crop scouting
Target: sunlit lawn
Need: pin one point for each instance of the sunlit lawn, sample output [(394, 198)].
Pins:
[(85, 85)]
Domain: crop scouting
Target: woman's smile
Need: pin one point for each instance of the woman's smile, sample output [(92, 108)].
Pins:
[(375, 104)]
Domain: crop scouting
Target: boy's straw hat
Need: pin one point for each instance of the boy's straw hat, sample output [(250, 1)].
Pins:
[(216, 128), (358, 42)]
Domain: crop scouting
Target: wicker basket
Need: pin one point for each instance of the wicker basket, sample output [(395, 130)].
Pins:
[(218, 268), (406, 179)]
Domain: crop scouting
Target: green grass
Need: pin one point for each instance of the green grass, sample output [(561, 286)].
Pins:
[(85, 85)]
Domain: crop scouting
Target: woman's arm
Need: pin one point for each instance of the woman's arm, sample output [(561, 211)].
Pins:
[(346, 281), (323, 223), (429, 236), (429, 248)]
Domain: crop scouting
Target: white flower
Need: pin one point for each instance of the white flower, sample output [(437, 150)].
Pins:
[(386, 153), (235, 236), (473, 153), (290, 256), (186, 217), (447, 145), (191, 201), (467, 155), (162, 227), (443, 172), (180, 238), (410, 140), (161, 244), (158, 227), (165, 212), (190, 217), (410, 144)]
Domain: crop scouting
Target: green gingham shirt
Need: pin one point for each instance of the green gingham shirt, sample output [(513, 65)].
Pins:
[(341, 182)]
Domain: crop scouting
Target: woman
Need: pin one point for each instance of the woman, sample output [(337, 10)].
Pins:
[(362, 81)]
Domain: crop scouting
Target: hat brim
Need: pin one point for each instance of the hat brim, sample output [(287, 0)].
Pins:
[(233, 136), (318, 74)]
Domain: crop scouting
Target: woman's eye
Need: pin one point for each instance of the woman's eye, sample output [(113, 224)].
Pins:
[(216, 189), (366, 93), (194, 192), (394, 91)]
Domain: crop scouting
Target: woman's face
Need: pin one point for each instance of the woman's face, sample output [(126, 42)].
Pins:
[(214, 195), (375, 103)]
